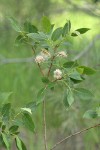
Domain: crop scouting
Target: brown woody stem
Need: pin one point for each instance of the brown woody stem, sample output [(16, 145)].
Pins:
[(44, 125), (74, 134)]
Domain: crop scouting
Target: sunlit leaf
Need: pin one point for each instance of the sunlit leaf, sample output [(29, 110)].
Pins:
[(66, 28), (5, 140), (81, 31), (27, 110), (87, 70), (56, 34), (46, 24), (18, 143)]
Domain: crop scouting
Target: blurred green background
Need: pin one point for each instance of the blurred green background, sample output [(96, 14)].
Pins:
[(23, 78)]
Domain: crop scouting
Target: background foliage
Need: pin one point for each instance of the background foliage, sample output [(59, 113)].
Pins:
[(21, 78)]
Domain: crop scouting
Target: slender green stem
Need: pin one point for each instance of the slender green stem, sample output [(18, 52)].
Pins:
[(17, 115)]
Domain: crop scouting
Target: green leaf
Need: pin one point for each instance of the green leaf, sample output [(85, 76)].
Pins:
[(18, 143), (5, 140), (32, 105), (2, 144), (40, 95), (28, 122), (15, 24), (87, 70), (28, 27), (45, 80), (51, 85), (46, 24), (76, 76), (83, 93), (66, 28), (80, 70), (13, 129), (68, 99), (81, 31), (56, 34), (38, 36), (4, 96), (23, 145), (27, 110), (70, 64), (21, 39), (90, 114), (6, 112)]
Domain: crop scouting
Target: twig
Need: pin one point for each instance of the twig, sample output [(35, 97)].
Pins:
[(52, 59), (4, 60), (68, 137), (44, 125), (51, 65), (38, 63), (40, 69)]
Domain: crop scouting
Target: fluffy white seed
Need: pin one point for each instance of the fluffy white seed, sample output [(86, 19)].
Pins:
[(57, 74), (39, 59), (61, 54), (45, 54)]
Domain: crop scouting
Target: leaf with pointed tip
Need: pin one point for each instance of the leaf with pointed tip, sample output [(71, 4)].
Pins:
[(28, 122), (6, 112), (56, 34), (15, 24), (87, 70), (13, 129), (80, 31), (46, 24), (70, 64), (90, 114), (18, 143), (40, 95), (5, 140), (66, 28), (23, 145), (83, 93), (27, 110), (76, 76), (68, 99), (32, 105), (28, 27), (38, 36)]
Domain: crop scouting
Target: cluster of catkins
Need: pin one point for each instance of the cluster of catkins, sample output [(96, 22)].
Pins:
[(45, 55)]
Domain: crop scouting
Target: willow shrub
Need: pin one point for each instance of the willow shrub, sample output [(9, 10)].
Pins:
[(50, 55)]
